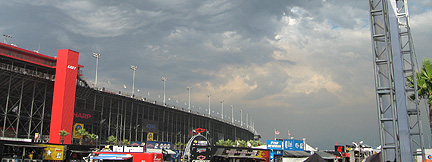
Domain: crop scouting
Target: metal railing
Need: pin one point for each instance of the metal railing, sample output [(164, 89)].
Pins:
[(153, 101), (25, 71)]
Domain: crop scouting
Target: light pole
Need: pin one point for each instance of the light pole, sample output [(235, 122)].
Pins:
[(100, 130), (136, 131), (134, 68), (209, 95), (232, 114), (222, 101), (97, 56), (189, 89), (241, 118), (6, 37), (164, 82), (247, 121)]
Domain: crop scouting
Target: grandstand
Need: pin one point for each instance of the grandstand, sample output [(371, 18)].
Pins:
[(41, 95)]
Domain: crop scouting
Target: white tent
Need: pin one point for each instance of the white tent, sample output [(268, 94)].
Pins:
[(310, 148), (294, 159)]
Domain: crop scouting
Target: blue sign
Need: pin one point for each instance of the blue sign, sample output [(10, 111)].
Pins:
[(159, 145), (274, 144), (293, 145), (277, 152), (137, 143)]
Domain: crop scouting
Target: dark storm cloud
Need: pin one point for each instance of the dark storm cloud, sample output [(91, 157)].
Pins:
[(298, 65)]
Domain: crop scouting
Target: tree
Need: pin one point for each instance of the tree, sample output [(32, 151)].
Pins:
[(112, 140), (255, 143), (179, 145), (424, 85), (92, 137), (241, 143), (81, 132), (125, 142), (63, 133), (238, 143), (227, 143)]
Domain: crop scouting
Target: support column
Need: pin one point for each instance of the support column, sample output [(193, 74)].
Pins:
[(64, 95)]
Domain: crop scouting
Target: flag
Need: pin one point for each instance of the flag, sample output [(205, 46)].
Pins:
[(277, 132), (289, 134)]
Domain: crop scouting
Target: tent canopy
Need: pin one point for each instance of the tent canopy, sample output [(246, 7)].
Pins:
[(315, 158), (295, 154), (326, 155), (374, 158)]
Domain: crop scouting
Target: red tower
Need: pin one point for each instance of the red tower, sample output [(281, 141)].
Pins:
[(64, 95)]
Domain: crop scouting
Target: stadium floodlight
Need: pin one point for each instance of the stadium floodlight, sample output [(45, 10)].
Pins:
[(209, 95), (6, 37), (97, 56), (134, 68), (164, 84), (232, 114), (189, 89), (247, 120), (222, 101), (241, 118)]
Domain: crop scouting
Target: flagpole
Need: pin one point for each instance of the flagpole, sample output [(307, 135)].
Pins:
[(275, 133), (289, 135)]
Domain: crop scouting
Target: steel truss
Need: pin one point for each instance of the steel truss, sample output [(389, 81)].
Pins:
[(24, 105), (399, 119)]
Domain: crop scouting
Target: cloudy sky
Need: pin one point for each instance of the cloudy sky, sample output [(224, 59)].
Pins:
[(303, 66)]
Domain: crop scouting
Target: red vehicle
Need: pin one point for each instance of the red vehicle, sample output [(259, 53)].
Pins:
[(127, 156)]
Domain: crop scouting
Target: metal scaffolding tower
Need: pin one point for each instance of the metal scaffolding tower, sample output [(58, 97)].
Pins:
[(400, 127)]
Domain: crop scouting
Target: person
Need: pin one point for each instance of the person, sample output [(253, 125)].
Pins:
[(15, 157), (31, 155)]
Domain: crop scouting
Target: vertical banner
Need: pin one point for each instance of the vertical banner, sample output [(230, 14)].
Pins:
[(77, 127), (150, 136)]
